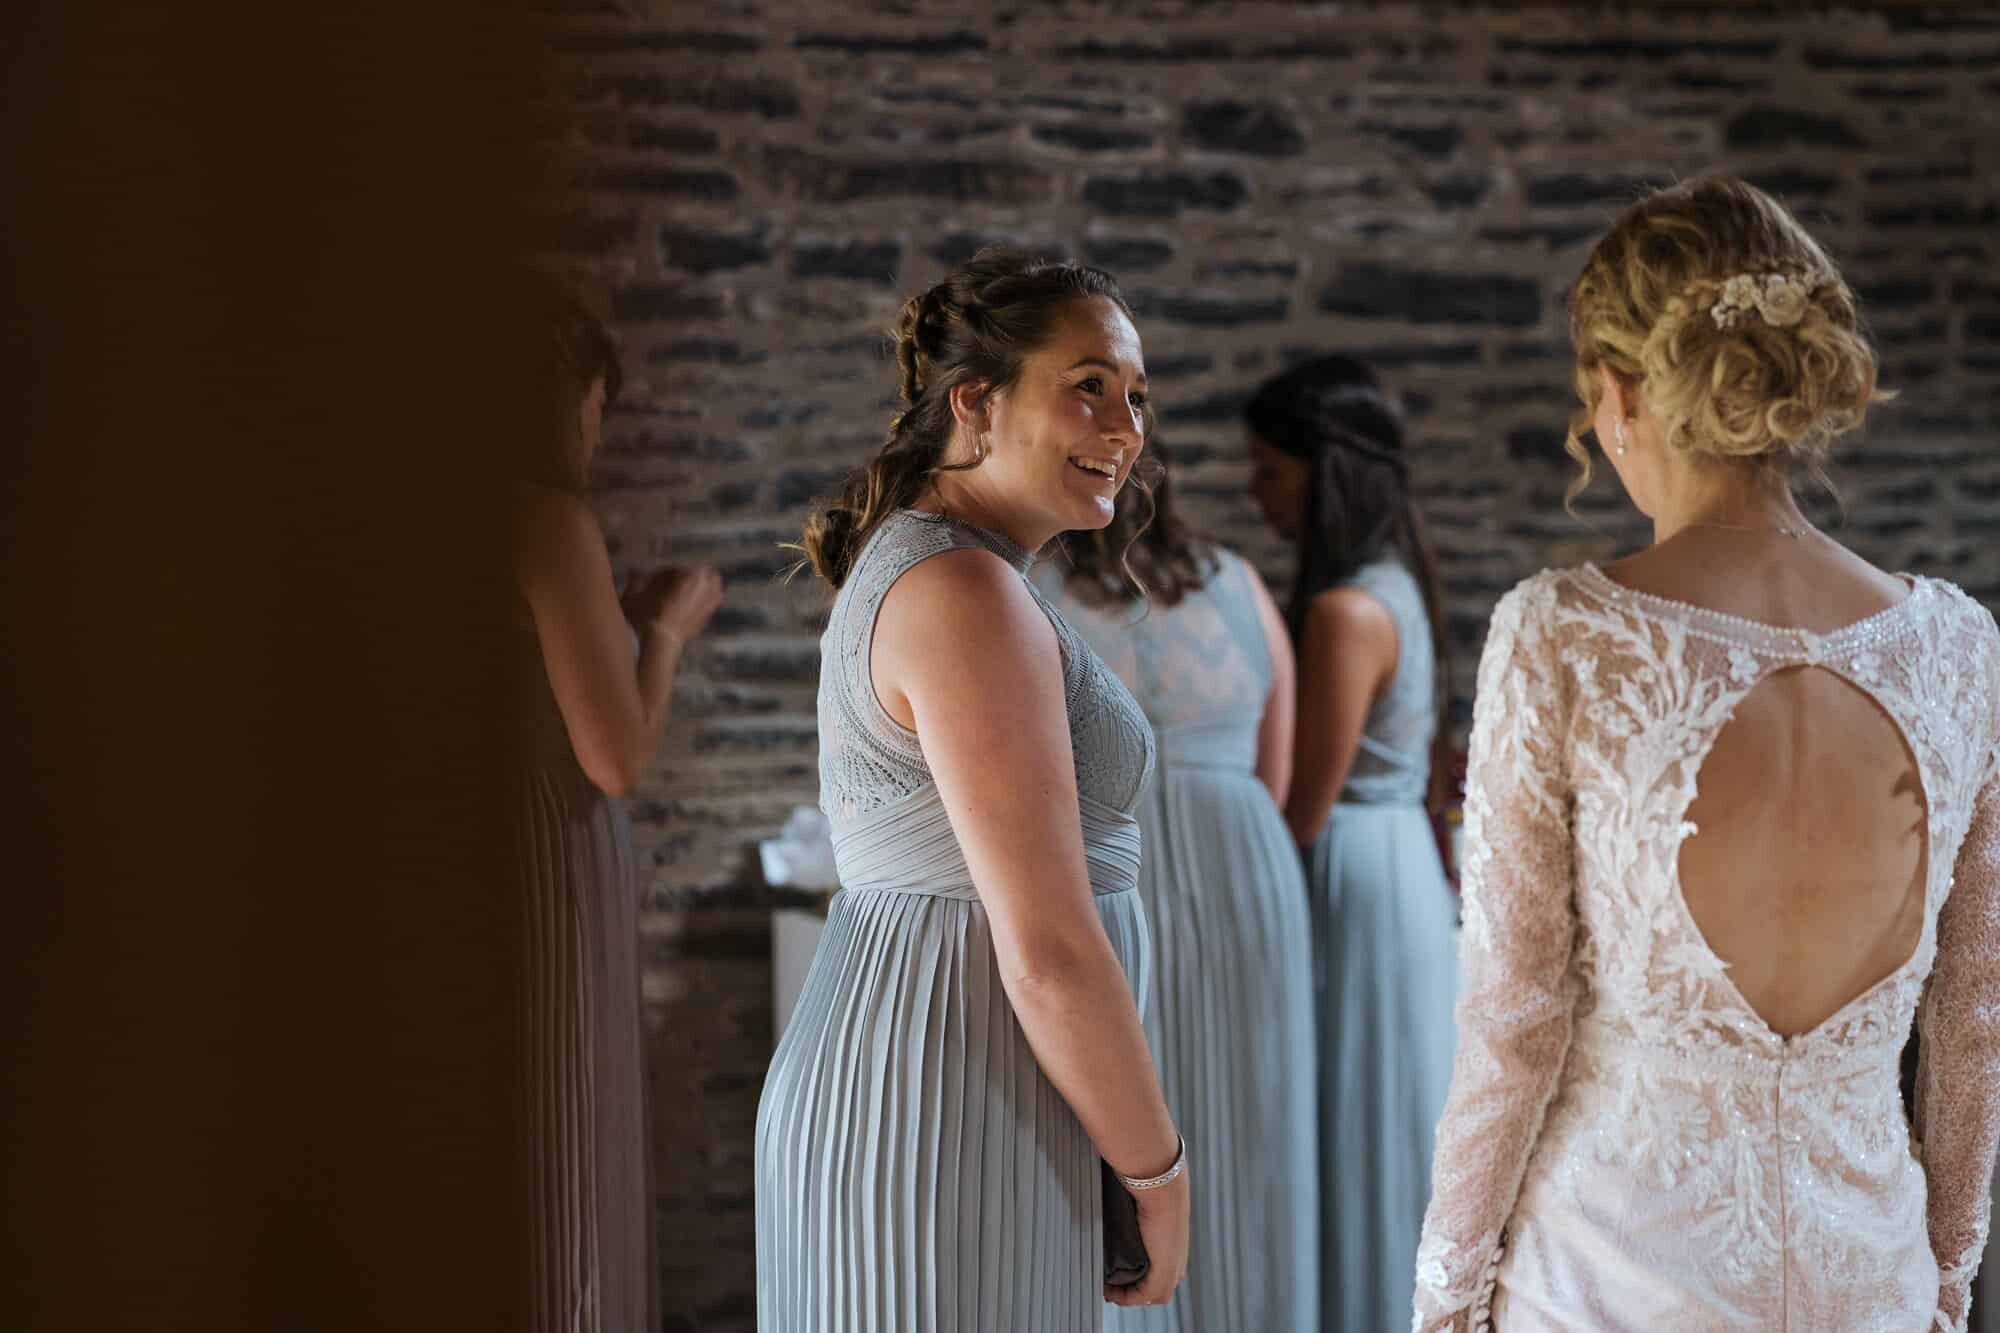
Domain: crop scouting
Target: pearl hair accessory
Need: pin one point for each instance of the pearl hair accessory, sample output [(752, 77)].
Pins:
[(1779, 299)]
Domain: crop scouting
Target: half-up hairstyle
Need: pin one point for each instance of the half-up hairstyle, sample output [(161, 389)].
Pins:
[(1147, 550), (1334, 414), (977, 326), (1773, 382)]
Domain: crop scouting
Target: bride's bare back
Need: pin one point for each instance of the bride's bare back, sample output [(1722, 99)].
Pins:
[(1806, 874)]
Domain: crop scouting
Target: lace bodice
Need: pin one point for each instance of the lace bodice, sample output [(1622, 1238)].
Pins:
[(869, 762), (1392, 764), (1200, 669), (1605, 1052)]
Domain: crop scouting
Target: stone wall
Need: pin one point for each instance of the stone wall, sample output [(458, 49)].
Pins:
[(761, 185)]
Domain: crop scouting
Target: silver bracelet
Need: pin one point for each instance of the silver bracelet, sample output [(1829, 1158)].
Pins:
[(1167, 1177)]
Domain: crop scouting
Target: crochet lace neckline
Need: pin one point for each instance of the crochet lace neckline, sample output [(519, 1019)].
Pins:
[(1015, 554)]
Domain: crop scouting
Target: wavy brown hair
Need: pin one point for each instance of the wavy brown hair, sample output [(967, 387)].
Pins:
[(1147, 549), (1750, 391), (976, 327), (1335, 414)]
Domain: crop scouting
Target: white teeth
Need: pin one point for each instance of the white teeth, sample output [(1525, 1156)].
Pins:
[(1099, 466)]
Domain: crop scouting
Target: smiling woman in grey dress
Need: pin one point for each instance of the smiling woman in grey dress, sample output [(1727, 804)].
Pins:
[(967, 1043), (1230, 1012), (1372, 759)]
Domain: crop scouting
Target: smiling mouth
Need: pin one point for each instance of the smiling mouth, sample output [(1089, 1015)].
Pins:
[(1106, 468)]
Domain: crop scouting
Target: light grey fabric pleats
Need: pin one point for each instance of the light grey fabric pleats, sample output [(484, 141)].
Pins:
[(1382, 934), (1231, 1025), (1385, 977), (1230, 1014), (916, 1171), (584, 1107)]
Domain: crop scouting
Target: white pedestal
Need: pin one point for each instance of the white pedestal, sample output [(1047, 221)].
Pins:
[(794, 939)]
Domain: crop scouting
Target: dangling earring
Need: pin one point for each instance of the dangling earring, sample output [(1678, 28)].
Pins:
[(1618, 432), (982, 448)]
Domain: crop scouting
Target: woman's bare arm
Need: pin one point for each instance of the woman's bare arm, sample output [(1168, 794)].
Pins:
[(614, 709), (965, 654), (1276, 734), (1347, 654)]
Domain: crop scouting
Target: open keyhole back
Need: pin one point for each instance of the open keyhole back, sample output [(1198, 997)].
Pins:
[(1806, 877)]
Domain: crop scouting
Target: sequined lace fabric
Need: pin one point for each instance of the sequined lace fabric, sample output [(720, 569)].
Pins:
[(1627, 1144)]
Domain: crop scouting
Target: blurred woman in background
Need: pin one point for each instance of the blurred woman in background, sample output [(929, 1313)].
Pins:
[(596, 679), (1371, 766), (1229, 1012)]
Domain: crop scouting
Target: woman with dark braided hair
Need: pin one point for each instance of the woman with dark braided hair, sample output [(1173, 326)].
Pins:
[(967, 1054), (1330, 473), (1230, 1015)]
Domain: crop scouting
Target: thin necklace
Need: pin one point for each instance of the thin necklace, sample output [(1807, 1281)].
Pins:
[(1783, 530)]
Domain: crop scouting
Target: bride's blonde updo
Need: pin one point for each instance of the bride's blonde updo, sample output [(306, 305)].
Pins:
[(1737, 329)]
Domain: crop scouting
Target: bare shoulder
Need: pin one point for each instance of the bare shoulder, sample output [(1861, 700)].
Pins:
[(1351, 613), (968, 604), (553, 529), (1350, 633), (965, 582), (1818, 585), (1862, 581)]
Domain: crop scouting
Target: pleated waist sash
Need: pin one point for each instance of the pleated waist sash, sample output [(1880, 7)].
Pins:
[(909, 847), (1384, 775), (1229, 746)]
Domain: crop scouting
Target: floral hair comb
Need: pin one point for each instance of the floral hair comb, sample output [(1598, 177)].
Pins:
[(1779, 299)]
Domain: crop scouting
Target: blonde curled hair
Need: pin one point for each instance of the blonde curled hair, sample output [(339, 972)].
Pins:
[(1730, 388)]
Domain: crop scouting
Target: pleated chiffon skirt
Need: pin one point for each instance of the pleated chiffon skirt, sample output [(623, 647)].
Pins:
[(1230, 1021), (1386, 981), (916, 1172), (583, 1048)]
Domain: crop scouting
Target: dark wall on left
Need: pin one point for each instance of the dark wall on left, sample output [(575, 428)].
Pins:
[(256, 962)]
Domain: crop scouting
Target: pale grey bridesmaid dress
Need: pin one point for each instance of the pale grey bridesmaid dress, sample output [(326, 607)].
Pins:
[(1386, 976), (1230, 1016), (916, 1172)]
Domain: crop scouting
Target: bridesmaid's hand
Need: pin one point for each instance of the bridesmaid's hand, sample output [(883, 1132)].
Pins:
[(639, 595), (1163, 1225), (675, 601)]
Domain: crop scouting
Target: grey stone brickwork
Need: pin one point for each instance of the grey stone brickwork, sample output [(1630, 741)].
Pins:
[(761, 182)]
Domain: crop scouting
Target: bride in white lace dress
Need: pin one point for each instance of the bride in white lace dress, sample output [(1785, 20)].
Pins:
[(1734, 825)]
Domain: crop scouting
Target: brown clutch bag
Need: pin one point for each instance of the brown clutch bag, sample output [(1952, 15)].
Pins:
[(1125, 1261)]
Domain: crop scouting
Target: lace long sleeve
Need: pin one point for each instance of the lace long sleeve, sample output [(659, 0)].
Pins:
[(1958, 1080), (1516, 990)]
